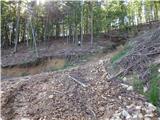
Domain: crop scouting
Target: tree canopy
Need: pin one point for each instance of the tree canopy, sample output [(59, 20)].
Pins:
[(34, 21)]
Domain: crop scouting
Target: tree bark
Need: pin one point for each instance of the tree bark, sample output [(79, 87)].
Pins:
[(57, 30), (17, 27), (81, 23), (34, 39), (91, 24)]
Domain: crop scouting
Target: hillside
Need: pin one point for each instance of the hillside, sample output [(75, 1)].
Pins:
[(81, 92)]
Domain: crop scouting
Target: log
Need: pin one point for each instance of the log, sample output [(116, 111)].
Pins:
[(77, 81)]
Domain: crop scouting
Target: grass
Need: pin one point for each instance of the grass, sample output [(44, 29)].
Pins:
[(138, 85), (121, 54), (154, 92), (118, 56)]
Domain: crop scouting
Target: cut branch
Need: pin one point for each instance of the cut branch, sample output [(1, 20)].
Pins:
[(77, 81)]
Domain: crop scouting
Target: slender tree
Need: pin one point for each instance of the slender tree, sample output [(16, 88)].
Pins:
[(17, 27)]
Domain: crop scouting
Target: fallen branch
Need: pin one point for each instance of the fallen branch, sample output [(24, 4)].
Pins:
[(78, 81), (140, 56)]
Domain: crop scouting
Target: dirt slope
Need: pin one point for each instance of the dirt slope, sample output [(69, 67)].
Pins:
[(79, 93)]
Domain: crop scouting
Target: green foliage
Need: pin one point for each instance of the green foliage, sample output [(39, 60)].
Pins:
[(138, 85), (121, 54), (154, 92), (118, 56), (107, 15)]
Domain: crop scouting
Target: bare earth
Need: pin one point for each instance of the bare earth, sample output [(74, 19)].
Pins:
[(55, 48), (79, 93)]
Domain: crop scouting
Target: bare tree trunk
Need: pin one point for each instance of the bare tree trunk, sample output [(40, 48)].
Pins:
[(63, 29), (24, 30), (156, 10), (81, 23), (17, 27), (27, 32), (45, 28), (91, 24), (34, 38), (73, 34), (57, 30)]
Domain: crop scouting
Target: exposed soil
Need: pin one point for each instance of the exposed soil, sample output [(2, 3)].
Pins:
[(56, 96), (46, 65), (52, 57), (55, 48)]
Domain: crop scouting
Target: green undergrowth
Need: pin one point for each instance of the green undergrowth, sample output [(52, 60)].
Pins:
[(153, 92), (121, 54), (138, 85)]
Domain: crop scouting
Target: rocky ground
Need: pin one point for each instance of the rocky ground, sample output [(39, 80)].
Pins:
[(79, 93)]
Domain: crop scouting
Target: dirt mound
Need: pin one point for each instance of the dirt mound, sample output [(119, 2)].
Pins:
[(80, 93)]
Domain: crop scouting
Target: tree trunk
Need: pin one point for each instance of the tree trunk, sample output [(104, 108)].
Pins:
[(34, 39), (45, 29), (63, 29), (91, 24), (81, 23), (57, 30), (17, 27), (156, 10)]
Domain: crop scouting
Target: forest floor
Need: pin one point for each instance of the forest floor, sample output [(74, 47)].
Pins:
[(82, 92), (55, 48)]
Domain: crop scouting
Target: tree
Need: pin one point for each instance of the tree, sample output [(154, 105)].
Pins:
[(17, 27)]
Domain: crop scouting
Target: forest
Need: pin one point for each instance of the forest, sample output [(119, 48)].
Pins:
[(30, 22), (80, 60)]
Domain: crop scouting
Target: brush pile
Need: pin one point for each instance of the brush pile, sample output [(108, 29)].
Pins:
[(143, 52)]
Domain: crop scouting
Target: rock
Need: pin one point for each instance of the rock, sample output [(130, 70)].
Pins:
[(147, 118), (130, 106), (140, 115), (102, 109), (138, 107), (151, 107), (145, 89), (51, 96), (1, 92), (120, 97), (135, 116), (124, 85), (130, 88), (25, 119), (149, 115), (126, 114), (124, 79), (100, 62)]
